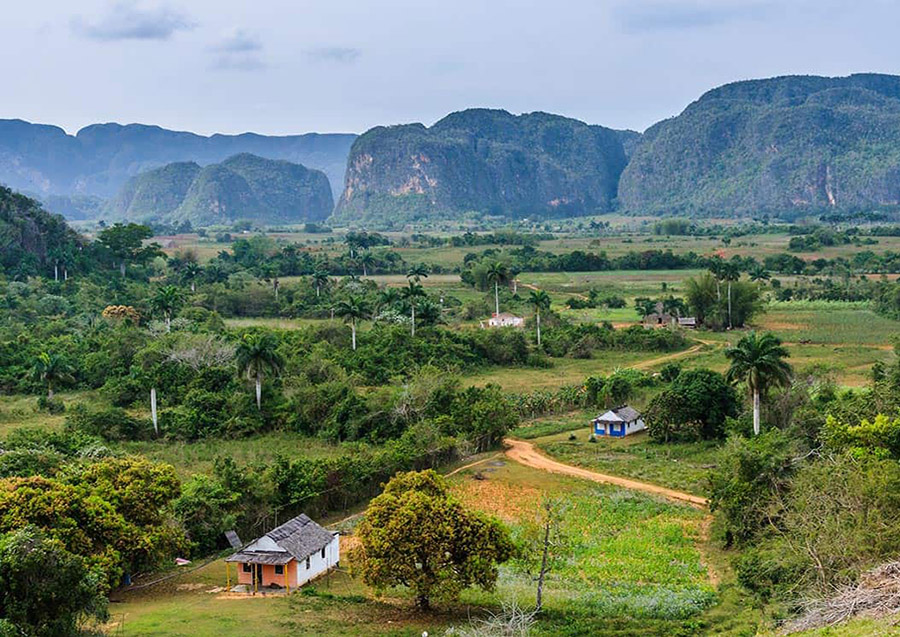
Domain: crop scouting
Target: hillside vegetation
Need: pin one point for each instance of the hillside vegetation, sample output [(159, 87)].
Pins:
[(486, 161), (242, 187), (784, 145)]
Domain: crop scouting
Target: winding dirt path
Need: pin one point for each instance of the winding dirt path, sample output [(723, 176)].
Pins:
[(525, 453)]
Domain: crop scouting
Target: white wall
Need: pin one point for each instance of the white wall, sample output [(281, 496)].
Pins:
[(318, 564)]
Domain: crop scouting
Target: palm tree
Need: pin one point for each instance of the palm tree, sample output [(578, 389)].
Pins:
[(730, 272), (319, 279), (759, 273), (352, 310), (540, 301), (190, 273), (388, 297), (411, 294), (417, 272), (497, 272), (167, 299), (715, 267), (257, 355), (758, 360), (51, 369), (366, 260)]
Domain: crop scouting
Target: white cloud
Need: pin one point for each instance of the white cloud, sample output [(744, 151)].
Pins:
[(127, 20), (339, 54)]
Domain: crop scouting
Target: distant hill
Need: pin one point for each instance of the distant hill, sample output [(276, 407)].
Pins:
[(242, 187), (785, 145), (30, 237), (482, 161), (99, 159)]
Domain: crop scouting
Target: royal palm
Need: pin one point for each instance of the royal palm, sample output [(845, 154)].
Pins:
[(759, 361)]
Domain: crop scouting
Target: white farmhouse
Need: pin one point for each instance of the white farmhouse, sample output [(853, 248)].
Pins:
[(619, 422)]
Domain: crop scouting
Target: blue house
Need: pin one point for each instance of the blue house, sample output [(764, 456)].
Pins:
[(619, 422)]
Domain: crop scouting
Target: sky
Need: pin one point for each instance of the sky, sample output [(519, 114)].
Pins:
[(296, 66)]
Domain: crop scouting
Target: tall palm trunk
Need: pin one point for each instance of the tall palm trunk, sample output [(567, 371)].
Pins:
[(168, 323), (497, 298), (317, 291), (153, 411), (540, 586), (538, 317), (50, 391), (353, 333), (122, 268), (729, 305), (193, 287), (413, 306), (258, 391), (56, 271), (755, 410)]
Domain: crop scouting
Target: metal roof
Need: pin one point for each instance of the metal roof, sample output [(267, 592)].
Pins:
[(298, 538), (620, 414)]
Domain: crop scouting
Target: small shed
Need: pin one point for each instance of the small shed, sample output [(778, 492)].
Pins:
[(288, 556), (619, 422)]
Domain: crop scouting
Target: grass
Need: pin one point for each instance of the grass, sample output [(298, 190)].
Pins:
[(22, 411), (681, 466), (550, 425)]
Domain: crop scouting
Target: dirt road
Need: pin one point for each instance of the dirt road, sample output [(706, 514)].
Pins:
[(524, 453)]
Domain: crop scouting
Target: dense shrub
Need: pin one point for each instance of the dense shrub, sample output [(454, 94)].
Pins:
[(109, 423)]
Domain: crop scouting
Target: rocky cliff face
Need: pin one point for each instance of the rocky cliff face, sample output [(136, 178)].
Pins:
[(242, 187), (483, 161), (783, 145), (30, 237)]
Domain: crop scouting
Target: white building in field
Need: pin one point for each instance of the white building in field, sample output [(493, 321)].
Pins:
[(619, 422), (288, 556), (505, 319)]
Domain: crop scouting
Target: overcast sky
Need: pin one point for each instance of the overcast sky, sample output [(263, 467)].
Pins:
[(294, 66)]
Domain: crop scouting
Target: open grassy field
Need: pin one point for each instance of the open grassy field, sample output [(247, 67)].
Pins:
[(681, 466), (636, 566), (22, 411)]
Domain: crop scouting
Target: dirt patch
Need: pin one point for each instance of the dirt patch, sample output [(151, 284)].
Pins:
[(193, 586), (508, 502)]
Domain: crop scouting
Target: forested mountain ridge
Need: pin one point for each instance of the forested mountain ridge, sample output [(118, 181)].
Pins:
[(483, 161), (30, 237), (242, 187), (100, 158), (781, 145)]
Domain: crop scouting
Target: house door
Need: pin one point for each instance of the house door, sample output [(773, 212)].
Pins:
[(257, 575)]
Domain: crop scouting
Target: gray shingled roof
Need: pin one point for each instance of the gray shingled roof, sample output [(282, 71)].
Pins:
[(626, 413), (299, 538)]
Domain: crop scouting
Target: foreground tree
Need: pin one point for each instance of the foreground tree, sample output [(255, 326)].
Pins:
[(544, 546), (125, 244), (540, 301), (257, 355), (415, 534), (759, 361), (45, 591), (352, 310), (320, 280), (51, 369)]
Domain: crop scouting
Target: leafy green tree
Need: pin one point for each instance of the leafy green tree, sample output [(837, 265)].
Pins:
[(759, 361), (539, 300), (257, 355), (415, 534), (45, 591), (411, 294), (166, 300), (352, 310), (125, 244), (51, 369), (693, 407), (497, 272)]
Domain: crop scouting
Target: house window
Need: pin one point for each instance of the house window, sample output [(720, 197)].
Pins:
[(246, 567), (279, 569), (307, 563), (323, 554)]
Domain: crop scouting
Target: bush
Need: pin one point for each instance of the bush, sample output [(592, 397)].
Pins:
[(51, 405), (109, 423), (694, 407)]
